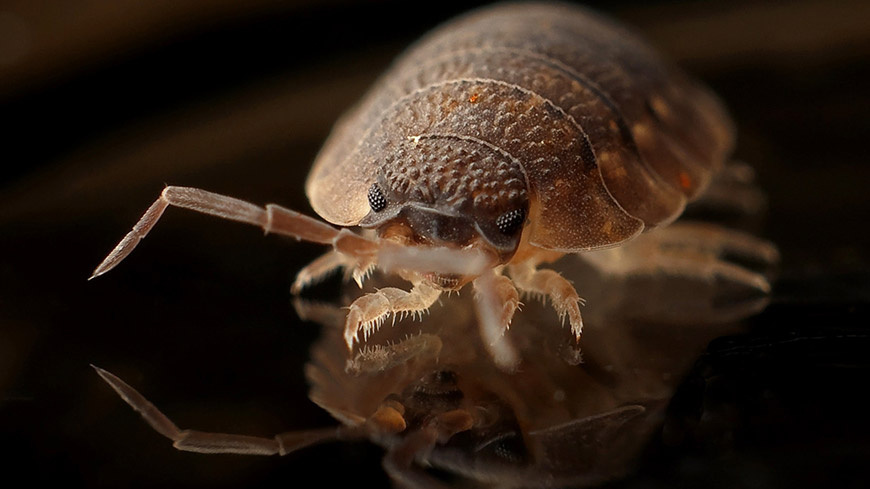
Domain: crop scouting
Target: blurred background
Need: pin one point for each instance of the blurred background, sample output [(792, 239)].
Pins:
[(102, 103)]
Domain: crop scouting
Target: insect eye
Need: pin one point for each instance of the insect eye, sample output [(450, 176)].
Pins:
[(511, 222), (376, 198)]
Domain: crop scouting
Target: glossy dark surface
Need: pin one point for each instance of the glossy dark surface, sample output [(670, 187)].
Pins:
[(199, 319)]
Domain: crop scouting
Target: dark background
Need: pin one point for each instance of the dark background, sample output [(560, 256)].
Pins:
[(102, 103)]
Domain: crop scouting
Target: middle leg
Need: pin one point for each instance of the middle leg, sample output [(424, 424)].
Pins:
[(326, 264), (548, 283)]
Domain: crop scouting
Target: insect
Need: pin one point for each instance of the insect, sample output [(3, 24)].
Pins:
[(500, 142)]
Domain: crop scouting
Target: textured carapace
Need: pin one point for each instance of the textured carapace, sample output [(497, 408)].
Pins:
[(546, 108), (448, 187)]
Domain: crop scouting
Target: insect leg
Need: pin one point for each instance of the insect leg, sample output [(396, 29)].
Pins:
[(497, 301), (549, 283), (205, 442), (272, 218), (320, 268), (693, 248), (369, 312), (718, 241), (713, 274), (733, 190)]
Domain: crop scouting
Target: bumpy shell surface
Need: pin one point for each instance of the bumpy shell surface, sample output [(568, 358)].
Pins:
[(611, 138)]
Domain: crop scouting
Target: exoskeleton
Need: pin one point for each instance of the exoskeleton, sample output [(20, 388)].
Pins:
[(498, 143)]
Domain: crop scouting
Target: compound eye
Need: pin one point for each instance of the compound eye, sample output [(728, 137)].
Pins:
[(376, 198), (511, 222)]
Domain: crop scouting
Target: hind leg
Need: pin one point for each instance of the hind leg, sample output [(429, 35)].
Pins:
[(733, 191), (700, 250), (692, 271)]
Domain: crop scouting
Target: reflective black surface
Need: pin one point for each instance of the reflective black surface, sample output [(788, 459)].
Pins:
[(199, 318)]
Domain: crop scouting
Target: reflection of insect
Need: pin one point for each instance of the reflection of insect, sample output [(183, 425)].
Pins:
[(501, 142), (434, 398), (460, 412)]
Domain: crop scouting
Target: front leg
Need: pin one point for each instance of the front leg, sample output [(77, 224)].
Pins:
[(369, 312), (271, 218), (548, 283)]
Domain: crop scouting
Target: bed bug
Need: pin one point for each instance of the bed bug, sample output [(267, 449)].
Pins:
[(500, 142)]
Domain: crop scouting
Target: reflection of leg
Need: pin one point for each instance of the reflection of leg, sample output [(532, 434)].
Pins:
[(548, 283), (326, 314), (369, 312), (399, 461), (377, 358), (205, 442)]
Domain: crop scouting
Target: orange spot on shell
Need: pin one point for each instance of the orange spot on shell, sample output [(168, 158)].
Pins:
[(685, 180), (474, 98)]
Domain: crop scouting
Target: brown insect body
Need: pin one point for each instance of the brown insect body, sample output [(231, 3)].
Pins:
[(499, 142), (608, 138)]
